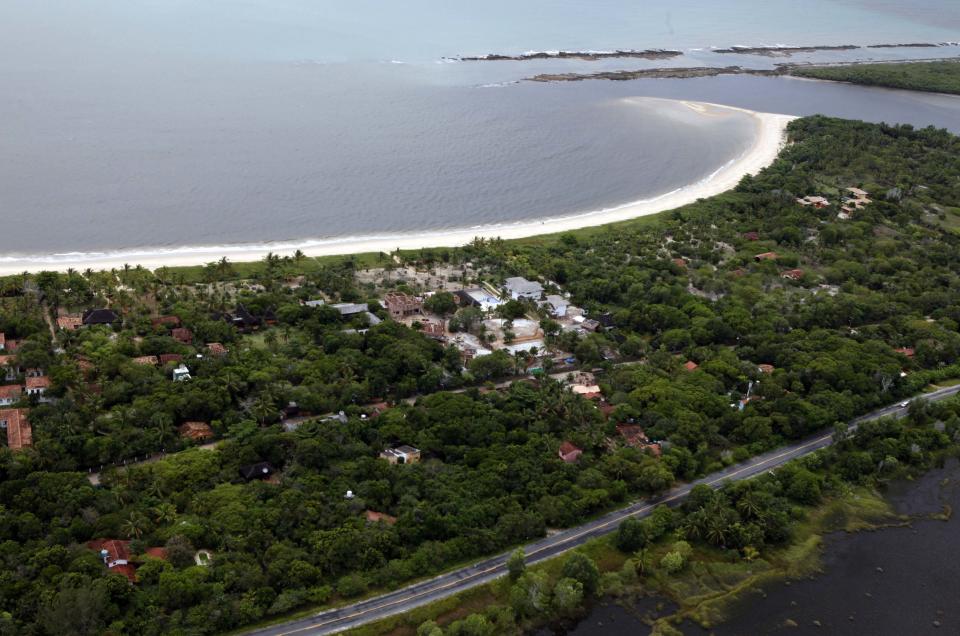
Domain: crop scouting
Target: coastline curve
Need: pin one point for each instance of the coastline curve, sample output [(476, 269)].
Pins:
[(769, 139)]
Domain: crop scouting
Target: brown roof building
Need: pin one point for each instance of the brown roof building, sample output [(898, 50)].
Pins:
[(182, 334), (569, 453), (37, 386), (195, 430), (792, 274), (116, 556), (378, 517), (766, 256), (10, 393), (19, 432), (147, 361), (216, 349), (70, 322), (400, 305), (168, 321)]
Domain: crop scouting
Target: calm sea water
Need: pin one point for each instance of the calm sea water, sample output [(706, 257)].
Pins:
[(176, 122)]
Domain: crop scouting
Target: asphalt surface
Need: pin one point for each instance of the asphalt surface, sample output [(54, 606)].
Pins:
[(445, 585)]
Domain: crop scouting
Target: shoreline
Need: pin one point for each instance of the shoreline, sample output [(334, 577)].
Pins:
[(769, 139)]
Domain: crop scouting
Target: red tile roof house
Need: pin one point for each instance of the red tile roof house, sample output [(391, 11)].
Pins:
[(19, 431), (216, 349), (766, 256), (156, 553), (147, 361), (195, 430), (167, 358), (765, 368), (569, 453), (9, 367), (379, 517), (10, 394), (38, 386), (116, 556), (792, 274), (70, 322), (182, 334), (167, 321), (690, 365), (905, 351), (632, 435)]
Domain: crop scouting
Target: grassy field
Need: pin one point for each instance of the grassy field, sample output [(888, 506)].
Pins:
[(935, 77)]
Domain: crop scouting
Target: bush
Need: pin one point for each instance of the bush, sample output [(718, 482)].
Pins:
[(672, 562), (352, 585)]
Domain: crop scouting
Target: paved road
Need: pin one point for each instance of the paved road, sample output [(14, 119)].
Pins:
[(408, 598)]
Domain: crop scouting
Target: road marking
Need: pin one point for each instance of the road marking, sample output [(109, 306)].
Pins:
[(685, 490)]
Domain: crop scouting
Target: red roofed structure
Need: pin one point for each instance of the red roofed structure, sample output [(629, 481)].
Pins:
[(195, 430), (378, 517), (906, 351), (19, 431), (569, 453), (690, 365), (37, 386), (116, 556), (633, 435), (182, 334), (156, 553), (10, 393)]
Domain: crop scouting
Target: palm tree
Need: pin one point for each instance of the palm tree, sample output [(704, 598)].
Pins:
[(134, 526), (165, 513)]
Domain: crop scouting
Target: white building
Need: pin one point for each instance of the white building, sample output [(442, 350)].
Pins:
[(520, 287)]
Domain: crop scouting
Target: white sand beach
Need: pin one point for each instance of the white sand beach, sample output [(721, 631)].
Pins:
[(770, 138)]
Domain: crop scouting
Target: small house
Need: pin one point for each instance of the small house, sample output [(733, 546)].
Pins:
[(401, 455), (69, 322), (17, 426), (165, 321), (100, 317), (217, 349), (401, 305), (181, 373), (183, 335), (690, 365), (10, 394), (766, 256), (196, 431), (519, 288), (569, 453), (557, 305), (792, 274), (116, 556), (37, 385), (147, 361), (379, 517)]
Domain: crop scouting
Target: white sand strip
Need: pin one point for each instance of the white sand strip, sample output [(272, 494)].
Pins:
[(770, 138)]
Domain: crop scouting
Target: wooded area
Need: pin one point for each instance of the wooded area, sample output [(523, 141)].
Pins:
[(728, 357)]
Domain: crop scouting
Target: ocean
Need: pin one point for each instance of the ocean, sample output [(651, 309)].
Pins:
[(154, 124)]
